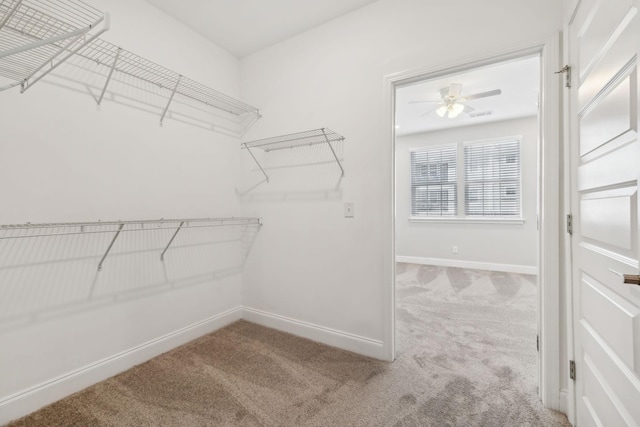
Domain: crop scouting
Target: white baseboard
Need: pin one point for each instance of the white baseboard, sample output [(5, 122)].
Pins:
[(30, 400), (344, 340), (564, 402), (507, 268)]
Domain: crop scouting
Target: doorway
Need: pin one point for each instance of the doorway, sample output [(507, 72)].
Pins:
[(466, 230), (432, 200)]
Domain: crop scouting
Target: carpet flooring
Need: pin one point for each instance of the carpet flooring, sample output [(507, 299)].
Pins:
[(466, 357)]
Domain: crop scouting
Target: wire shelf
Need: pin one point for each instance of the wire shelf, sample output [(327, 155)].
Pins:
[(20, 231), (299, 139), (294, 140), (26, 231), (36, 36), (176, 85)]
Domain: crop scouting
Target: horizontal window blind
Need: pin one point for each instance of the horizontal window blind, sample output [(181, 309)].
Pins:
[(492, 179), (433, 182)]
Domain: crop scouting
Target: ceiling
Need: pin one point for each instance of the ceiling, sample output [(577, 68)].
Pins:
[(519, 81), (243, 27)]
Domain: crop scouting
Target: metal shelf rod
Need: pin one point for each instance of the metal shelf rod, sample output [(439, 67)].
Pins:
[(257, 162), (175, 88), (113, 67), (110, 246), (171, 241), (333, 151)]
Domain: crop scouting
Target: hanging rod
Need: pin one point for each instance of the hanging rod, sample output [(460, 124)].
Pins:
[(36, 36), (128, 63), (294, 140)]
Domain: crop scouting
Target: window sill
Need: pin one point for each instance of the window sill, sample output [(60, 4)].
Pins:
[(435, 220)]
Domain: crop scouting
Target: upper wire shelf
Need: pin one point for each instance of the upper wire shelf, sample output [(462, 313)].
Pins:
[(175, 85), (36, 36), (293, 140)]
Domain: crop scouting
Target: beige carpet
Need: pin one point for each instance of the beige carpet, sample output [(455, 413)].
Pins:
[(466, 357)]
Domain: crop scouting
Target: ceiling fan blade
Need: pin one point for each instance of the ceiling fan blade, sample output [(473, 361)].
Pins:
[(482, 95), (469, 109), (455, 89), (420, 102), (427, 112)]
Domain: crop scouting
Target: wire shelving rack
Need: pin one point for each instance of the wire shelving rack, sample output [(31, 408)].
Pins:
[(36, 36), (27, 231), (294, 140), (174, 85)]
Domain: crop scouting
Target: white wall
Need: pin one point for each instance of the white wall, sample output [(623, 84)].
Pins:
[(507, 246), (310, 264), (62, 160)]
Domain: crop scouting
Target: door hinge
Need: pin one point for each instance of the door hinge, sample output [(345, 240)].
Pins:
[(572, 370), (570, 224), (566, 70), (538, 343)]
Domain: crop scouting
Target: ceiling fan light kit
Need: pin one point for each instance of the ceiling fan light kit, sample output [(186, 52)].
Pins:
[(454, 110), (452, 101)]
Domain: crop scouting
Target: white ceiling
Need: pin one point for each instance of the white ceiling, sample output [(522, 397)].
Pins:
[(246, 26), (519, 81)]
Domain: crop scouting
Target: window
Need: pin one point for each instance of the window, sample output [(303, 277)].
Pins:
[(492, 179), (434, 182), (488, 172)]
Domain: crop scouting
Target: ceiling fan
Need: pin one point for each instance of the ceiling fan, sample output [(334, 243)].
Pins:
[(452, 103)]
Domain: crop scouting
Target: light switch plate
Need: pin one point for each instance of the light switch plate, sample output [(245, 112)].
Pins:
[(349, 210)]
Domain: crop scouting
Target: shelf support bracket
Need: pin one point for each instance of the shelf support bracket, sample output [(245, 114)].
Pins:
[(73, 34), (10, 13), (324, 132), (171, 241), (110, 246), (28, 84), (113, 67), (164, 113), (257, 162)]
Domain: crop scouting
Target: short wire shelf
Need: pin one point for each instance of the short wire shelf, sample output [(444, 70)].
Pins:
[(294, 140), (25, 231), (36, 36)]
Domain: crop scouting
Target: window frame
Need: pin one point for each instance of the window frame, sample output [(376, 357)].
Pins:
[(461, 217), (455, 183)]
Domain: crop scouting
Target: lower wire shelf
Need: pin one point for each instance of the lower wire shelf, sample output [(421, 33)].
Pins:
[(28, 230)]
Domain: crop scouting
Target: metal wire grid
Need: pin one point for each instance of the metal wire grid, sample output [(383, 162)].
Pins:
[(44, 19), (23, 22), (299, 139), (131, 64), (21, 231)]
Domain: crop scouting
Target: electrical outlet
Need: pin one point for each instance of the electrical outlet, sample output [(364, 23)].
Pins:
[(454, 250), (349, 210)]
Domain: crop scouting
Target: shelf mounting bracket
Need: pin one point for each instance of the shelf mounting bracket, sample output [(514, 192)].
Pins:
[(113, 67), (171, 241), (175, 88), (324, 132), (110, 246), (79, 34), (256, 160)]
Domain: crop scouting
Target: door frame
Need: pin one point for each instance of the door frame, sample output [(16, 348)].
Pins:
[(550, 206)]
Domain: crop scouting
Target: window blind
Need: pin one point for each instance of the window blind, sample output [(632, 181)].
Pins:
[(433, 182), (492, 179)]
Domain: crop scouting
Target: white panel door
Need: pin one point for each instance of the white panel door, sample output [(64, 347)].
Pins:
[(604, 37)]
